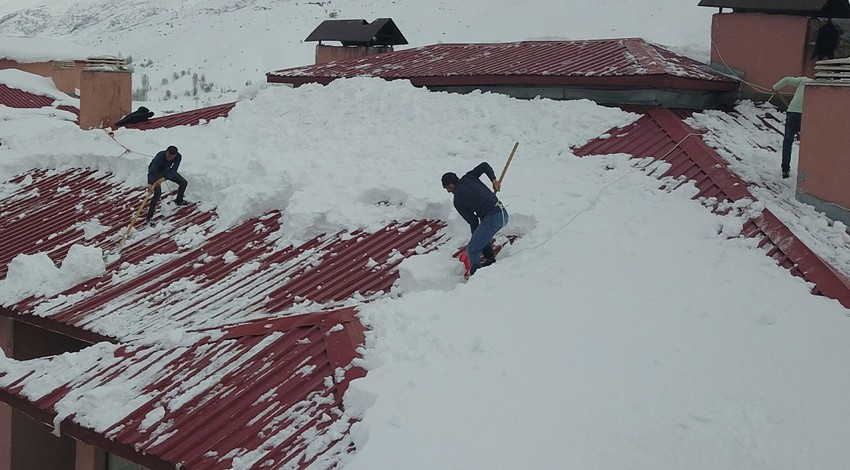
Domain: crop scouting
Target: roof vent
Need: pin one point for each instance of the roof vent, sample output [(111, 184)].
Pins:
[(63, 64), (833, 69), (106, 62)]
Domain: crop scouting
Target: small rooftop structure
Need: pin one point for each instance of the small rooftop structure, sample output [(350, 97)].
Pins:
[(823, 8), (381, 32), (619, 71)]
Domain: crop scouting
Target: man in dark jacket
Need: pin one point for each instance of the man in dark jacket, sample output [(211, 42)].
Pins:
[(481, 209), (164, 167)]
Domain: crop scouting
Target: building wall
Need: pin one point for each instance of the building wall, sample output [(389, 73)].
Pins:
[(5, 410), (66, 80), (824, 159), (761, 48), (35, 448), (89, 458), (45, 69), (326, 54)]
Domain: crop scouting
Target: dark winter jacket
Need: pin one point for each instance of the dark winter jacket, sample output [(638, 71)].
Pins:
[(140, 115), (472, 198), (162, 168), (827, 40)]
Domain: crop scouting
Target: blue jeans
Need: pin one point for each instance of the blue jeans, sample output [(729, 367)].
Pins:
[(480, 241), (792, 127), (157, 192)]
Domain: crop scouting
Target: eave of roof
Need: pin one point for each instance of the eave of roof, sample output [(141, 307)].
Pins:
[(614, 63), (662, 133), (280, 382)]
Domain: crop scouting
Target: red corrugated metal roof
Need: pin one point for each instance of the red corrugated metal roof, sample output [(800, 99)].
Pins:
[(282, 405), (604, 62), (15, 98), (186, 118), (234, 275), (266, 395), (662, 134)]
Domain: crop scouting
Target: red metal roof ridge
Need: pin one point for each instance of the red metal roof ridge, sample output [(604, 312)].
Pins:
[(690, 156), (647, 56)]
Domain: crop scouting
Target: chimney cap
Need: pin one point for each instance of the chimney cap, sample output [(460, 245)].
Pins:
[(381, 32), (106, 62)]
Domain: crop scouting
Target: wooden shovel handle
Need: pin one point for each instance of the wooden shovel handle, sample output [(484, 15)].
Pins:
[(505, 169)]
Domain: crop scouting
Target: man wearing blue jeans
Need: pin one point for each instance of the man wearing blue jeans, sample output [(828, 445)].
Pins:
[(481, 209), (793, 117), (163, 167)]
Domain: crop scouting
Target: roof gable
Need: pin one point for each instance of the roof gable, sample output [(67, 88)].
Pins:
[(662, 134)]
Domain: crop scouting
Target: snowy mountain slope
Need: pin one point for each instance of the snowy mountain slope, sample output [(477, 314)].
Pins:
[(232, 44)]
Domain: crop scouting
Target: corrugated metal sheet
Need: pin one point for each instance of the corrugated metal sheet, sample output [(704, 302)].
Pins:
[(242, 273), (260, 395), (15, 98), (52, 210), (266, 386), (187, 118), (661, 134), (381, 32), (591, 63)]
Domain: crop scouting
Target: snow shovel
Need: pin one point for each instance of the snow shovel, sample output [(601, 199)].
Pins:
[(505, 169)]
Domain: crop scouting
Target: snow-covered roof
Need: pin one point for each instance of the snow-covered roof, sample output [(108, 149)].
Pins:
[(33, 49), (186, 118), (603, 62), (19, 89), (180, 274), (663, 135), (266, 394)]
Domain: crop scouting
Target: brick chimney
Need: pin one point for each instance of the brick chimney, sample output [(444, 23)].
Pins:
[(106, 92)]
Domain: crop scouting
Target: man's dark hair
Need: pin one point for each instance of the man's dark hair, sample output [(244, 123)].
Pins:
[(449, 178), (171, 150)]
